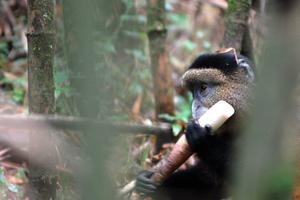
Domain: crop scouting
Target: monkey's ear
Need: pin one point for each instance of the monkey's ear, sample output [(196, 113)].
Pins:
[(230, 50), (245, 64)]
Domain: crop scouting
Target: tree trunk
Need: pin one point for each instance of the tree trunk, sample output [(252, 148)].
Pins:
[(41, 56), (236, 25), (40, 82), (161, 71)]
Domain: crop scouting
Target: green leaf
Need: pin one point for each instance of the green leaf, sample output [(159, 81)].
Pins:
[(168, 6), (178, 18), (21, 80), (109, 47), (183, 108), (12, 188), (4, 48), (18, 95), (21, 173), (58, 92), (138, 54), (176, 128), (61, 77), (189, 45), (3, 182), (167, 117), (144, 154), (134, 18), (128, 3), (206, 44), (200, 34)]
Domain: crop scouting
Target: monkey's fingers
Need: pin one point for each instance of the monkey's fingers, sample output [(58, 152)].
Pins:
[(208, 128), (145, 188)]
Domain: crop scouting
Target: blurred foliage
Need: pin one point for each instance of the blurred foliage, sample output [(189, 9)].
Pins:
[(8, 188), (15, 88), (63, 90), (125, 51), (123, 56), (18, 95), (182, 114), (66, 187), (122, 63)]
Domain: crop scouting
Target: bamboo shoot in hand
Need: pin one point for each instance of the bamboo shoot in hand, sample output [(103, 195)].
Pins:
[(215, 117)]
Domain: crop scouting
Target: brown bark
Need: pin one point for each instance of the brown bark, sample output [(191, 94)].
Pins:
[(41, 85), (161, 71), (179, 154)]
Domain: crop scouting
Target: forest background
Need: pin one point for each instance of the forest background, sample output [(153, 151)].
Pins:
[(76, 75)]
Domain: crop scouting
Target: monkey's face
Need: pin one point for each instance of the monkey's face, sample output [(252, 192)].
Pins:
[(209, 85)]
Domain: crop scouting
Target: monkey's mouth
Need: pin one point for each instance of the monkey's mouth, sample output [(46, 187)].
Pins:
[(198, 112)]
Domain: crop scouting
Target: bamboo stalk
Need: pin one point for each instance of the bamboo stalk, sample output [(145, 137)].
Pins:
[(215, 117)]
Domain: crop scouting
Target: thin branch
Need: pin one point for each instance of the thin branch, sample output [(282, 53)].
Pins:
[(222, 4), (74, 123)]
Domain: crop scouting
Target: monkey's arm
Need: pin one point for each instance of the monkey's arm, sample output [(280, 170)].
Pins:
[(195, 136)]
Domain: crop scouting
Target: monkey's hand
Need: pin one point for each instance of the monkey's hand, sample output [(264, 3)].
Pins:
[(196, 135), (144, 184)]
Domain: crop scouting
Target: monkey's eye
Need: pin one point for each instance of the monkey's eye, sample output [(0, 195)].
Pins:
[(203, 88)]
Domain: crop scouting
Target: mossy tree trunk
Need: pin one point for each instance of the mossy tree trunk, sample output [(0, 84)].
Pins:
[(41, 82), (41, 56), (236, 27), (161, 71)]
